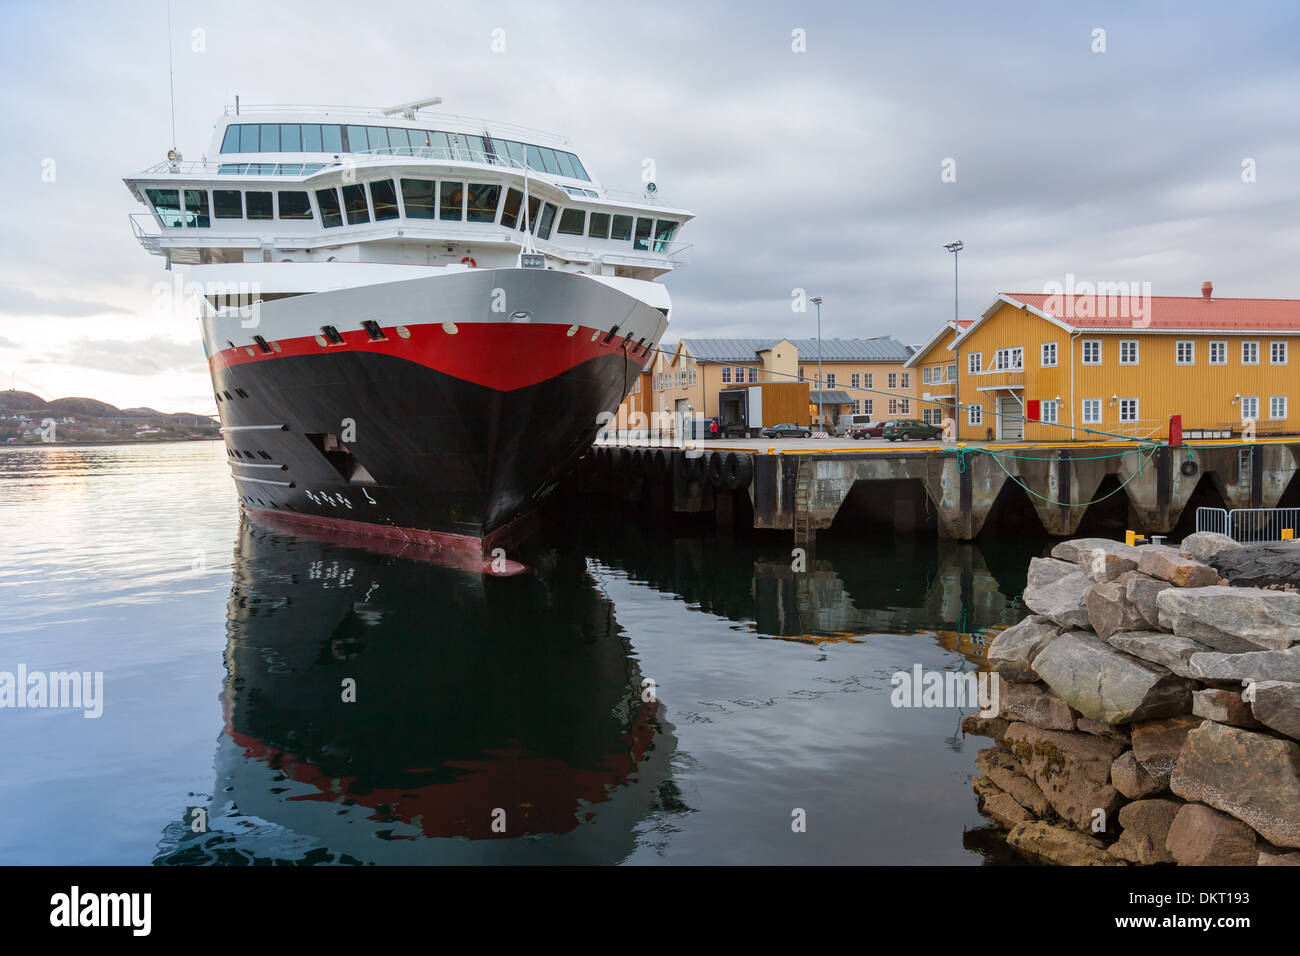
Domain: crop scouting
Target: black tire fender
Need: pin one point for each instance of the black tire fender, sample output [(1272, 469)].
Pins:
[(715, 470), (738, 470)]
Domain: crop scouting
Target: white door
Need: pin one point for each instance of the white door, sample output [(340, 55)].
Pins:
[(1011, 420)]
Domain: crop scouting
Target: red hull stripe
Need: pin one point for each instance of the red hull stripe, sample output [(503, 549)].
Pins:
[(499, 355)]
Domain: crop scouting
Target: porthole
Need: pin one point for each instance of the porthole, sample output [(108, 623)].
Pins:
[(450, 328)]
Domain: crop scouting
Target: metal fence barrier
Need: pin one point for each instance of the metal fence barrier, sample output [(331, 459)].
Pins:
[(1250, 524)]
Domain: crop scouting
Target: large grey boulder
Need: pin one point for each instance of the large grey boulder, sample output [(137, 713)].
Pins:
[(1235, 620), (1170, 564), (1110, 611), (1160, 648), (1205, 545), (1223, 706), (1013, 651), (1141, 590), (1100, 558), (1259, 565), (1071, 769), (1035, 704), (1045, 571), (1256, 665), (1276, 704), (1062, 601), (1103, 684), (1253, 776)]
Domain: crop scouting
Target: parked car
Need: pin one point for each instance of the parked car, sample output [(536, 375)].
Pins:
[(787, 430), (869, 430), (905, 429), (847, 423)]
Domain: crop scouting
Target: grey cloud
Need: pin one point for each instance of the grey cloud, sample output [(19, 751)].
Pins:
[(151, 356)]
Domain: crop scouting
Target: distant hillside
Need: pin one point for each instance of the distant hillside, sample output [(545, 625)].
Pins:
[(14, 401), (83, 406), (80, 419)]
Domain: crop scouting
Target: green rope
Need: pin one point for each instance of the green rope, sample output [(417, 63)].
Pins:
[(1082, 504)]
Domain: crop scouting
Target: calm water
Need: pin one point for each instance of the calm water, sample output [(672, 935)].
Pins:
[(227, 652)]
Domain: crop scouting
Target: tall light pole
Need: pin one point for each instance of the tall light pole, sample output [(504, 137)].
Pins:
[(821, 419), (954, 248)]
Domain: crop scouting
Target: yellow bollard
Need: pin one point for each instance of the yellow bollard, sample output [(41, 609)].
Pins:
[(1130, 538), (1288, 534)]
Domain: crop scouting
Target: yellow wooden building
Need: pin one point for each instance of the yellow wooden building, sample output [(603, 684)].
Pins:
[(1058, 367)]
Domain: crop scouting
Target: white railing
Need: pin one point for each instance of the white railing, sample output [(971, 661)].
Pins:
[(1134, 428), (1250, 524), (457, 119)]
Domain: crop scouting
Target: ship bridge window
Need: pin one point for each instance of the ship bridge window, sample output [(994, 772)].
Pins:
[(258, 205), (270, 138), (355, 139), (167, 204), (331, 213), (477, 151), (230, 141), (515, 151), (533, 205), (548, 160), (417, 198), (290, 138), (248, 138), (572, 222), (451, 200), (196, 208), (483, 199), (598, 228), (565, 161), (643, 228), (383, 195), (331, 137), (545, 222), (510, 208), (622, 228), (378, 137), (228, 203), (664, 230), (354, 202), (294, 205)]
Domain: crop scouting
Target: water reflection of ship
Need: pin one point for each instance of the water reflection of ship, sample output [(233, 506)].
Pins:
[(960, 592), (473, 696)]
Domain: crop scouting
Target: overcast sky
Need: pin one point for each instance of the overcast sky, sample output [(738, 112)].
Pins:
[(820, 170)]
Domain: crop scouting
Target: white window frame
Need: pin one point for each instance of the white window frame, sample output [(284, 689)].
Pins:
[(1009, 359), (870, 379), (1274, 347), (1136, 346), (830, 380), (904, 379), (975, 414), (726, 375), (1191, 352), (1095, 419), (868, 406), (950, 372), (753, 375), (893, 406), (1253, 402), (893, 380), (1137, 410), (975, 362), (856, 380), (1274, 403), (1045, 350), (1254, 344), (1220, 346), (1049, 405), (904, 406), (925, 375), (857, 406), (1085, 346)]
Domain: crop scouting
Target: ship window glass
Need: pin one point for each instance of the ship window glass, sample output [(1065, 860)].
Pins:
[(516, 151), (311, 137), (622, 228), (309, 168), (548, 160), (270, 138), (248, 138), (398, 139), (289, 169), (475, 144), (664, 229), (378, 136), (228, 203), (294, 205), (643, 228), (290, 138), (383, 196), (572, 221), (330, 213), (533, 205), (598, 228), (565, 163), (230, 142), (231, 169), (258, 204), (167, 203), (451, 197), (483, 199), (534, 158), (578, 171), (547, 220), (356, 139), (417, 198), (510, 209), (438, 141), (354, 202), (331, 137), (196, 208)]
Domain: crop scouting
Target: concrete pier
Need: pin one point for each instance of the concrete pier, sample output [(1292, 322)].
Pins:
[(955, 489)]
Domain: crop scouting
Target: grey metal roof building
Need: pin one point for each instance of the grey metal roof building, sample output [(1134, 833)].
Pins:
[(883, 349)]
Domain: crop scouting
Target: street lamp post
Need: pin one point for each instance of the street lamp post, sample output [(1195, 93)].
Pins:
[(821, 419), (954, 248)]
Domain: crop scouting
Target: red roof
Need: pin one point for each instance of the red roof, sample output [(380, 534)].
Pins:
[(1168, 312)]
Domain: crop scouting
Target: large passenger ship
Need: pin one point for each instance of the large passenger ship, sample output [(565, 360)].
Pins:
[(413, 320)]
